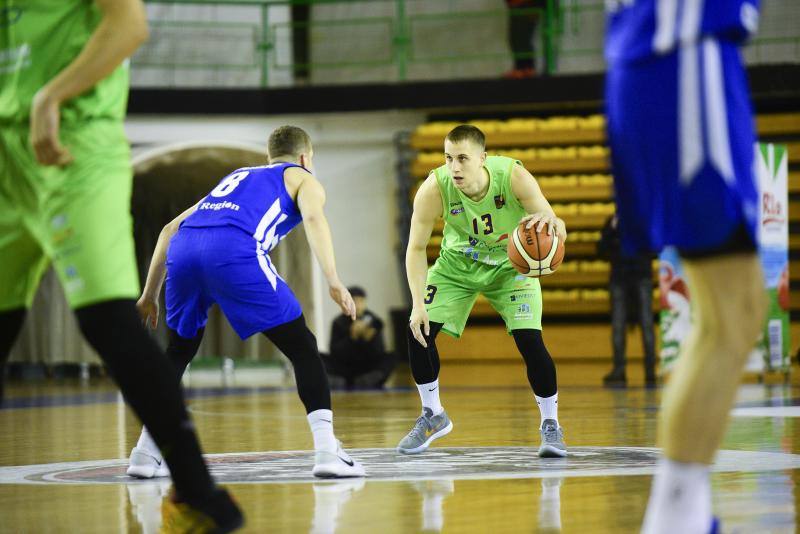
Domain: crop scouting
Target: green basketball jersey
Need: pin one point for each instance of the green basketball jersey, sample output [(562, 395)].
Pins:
[(480, 230), (38, 38)]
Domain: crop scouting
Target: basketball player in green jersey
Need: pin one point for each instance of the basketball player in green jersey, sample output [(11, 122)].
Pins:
[(481, 199), (65, 189)]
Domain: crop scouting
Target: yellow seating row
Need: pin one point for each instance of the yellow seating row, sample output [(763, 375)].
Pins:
[(520, 125), (578, 295), (768, 124), (576, 180), (435, 159), (584, 208)]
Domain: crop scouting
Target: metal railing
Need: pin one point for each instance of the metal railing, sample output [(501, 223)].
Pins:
[(250, 42), (390, 38)]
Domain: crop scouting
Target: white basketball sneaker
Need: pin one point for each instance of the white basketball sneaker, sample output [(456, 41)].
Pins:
[(336, 464), (146, 464)]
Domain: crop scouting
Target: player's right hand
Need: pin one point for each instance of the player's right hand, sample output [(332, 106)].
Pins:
[(341, 296), (148, 311), (419, 322), (45, 123)]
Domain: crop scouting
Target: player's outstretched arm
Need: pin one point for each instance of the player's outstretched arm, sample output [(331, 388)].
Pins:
[(527, 190), (148, 302), (427, 208), (311, 201), (121, 31)]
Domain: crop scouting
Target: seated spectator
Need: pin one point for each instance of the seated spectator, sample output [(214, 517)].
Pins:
[(358, 358)]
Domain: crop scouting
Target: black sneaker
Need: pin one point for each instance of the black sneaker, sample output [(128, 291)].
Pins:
[(650, 381), (616, 378)]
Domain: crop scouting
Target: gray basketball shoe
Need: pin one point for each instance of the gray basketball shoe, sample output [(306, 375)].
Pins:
[(427, 428), (552, 440)]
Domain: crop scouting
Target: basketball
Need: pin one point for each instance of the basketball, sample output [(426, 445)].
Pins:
[(535, 253)]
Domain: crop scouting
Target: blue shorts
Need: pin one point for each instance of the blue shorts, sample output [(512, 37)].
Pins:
[(221, 265), (682, 143)]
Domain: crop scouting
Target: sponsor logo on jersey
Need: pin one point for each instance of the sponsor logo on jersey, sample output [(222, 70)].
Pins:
[(523, 312), (14, 59), (456, 211), (216, 206), (499, 201)]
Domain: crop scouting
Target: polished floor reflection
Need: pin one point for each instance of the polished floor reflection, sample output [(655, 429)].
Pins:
[(60, 467)]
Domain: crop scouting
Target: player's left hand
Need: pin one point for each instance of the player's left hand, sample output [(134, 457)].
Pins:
[(542, 219), (148, 310), (341, 296), (45, 123)]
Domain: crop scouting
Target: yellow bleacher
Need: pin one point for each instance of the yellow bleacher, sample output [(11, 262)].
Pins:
[(569, 157)]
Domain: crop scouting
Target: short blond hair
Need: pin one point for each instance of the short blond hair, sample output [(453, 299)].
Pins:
[(288, 141), (467, 132)]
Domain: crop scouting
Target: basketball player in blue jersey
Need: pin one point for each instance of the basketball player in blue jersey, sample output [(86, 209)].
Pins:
[(217, 251), (682, 140)]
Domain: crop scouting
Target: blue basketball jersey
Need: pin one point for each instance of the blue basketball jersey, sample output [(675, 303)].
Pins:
[(220, 255), (253, 199), (637, 29)]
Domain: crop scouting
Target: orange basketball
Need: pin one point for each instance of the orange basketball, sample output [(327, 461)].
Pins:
[(535, 253)]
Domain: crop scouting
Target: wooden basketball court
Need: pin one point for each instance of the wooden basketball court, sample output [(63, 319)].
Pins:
[(64, 450)]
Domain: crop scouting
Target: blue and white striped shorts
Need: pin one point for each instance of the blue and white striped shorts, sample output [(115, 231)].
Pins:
[(224, 266), (681, 132)]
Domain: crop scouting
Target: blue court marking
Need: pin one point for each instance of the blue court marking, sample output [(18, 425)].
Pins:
[(108, 397), (81, 399)]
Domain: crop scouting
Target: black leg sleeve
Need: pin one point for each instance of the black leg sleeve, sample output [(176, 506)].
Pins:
[(181, 350), (148, 382), (424, 361), (541, 369), (298, 343)]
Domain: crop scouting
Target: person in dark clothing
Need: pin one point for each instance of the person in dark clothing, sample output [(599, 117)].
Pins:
[(631, 289), (358, 357), (521, 31)]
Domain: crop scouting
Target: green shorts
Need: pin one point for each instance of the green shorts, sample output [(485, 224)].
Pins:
[(454, 284), (78, 217)]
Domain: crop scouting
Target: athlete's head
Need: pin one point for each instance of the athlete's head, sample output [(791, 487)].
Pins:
[(465, 153), (291, 144)]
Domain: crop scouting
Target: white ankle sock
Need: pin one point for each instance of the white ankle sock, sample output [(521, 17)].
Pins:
[(147, 444), (680, 499), (548, 407), (321, 423), (429, 393)]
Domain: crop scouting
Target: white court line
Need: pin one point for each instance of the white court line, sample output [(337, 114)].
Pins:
[(453, 463), (767, 411)]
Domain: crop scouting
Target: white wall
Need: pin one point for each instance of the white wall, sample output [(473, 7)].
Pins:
[(212, 46), (354, 159)]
